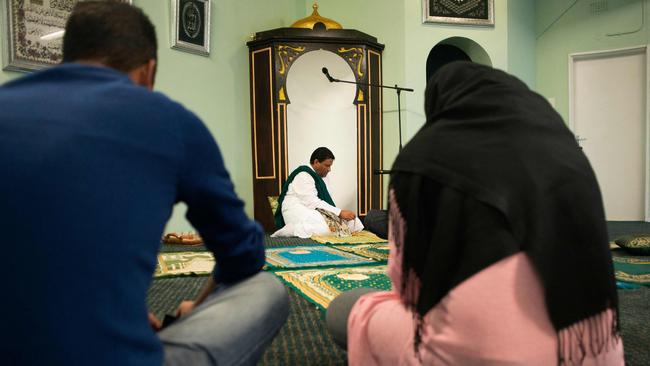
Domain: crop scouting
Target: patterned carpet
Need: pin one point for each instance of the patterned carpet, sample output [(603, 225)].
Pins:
[(287, 242), (304, 340), (634, 306), (167, 248), (165, 294)]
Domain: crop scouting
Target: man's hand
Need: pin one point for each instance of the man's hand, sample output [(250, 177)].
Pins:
[(184, 308), (154, 322), (347, 215)]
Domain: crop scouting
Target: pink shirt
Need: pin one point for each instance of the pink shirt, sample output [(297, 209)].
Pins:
[(496, 317)]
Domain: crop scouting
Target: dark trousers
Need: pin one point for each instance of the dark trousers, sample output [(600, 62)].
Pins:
[(376, 221), (339, 311)]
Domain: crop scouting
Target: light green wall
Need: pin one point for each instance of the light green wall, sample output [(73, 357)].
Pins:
[(398, 25), (521, 40), (420, 38), (217, 87), (564, 28)]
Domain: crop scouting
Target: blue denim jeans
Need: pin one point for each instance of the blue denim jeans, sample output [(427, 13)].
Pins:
[(232, 326)]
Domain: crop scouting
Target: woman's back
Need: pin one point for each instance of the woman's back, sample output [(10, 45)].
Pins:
[(496, 317)]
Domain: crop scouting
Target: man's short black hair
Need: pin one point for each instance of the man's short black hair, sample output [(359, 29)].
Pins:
[(116, 34), (321, 154)]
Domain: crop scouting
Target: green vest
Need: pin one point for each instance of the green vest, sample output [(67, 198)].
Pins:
[(321, 188)]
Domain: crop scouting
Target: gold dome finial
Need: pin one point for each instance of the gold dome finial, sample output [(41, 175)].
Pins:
[(315, 18)]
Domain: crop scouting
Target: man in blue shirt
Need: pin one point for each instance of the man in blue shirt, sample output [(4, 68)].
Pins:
[(92, 162)]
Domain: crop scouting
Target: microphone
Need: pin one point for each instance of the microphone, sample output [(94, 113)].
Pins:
[(381, 171), (327, 74)]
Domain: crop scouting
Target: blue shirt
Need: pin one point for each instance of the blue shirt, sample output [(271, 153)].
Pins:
[(91, 166)]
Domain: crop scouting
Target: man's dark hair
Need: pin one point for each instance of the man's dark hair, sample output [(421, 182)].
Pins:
[(321, 154), (116, 34)]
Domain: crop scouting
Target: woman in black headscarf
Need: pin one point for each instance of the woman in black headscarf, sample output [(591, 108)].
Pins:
[(499, 249)]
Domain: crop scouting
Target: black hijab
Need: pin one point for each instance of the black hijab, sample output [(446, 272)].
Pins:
[(490, 139)]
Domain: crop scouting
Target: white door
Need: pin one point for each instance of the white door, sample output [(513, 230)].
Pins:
[(608, 110)]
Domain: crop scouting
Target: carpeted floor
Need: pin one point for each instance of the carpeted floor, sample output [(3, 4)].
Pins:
[(621, 228), (634, 304), (634, 307), (304, 340)]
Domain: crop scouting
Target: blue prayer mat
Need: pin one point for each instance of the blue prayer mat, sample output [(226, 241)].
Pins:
[(312, 256)]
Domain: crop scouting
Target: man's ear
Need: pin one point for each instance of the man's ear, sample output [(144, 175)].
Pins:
[(144, 75)]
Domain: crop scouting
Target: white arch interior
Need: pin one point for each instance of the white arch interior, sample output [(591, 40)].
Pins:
[(323, 114)]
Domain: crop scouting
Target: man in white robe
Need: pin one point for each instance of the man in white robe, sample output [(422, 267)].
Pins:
[(306, 191)]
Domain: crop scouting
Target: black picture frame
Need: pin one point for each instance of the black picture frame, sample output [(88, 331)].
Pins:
[(462, 12), (191, 26)]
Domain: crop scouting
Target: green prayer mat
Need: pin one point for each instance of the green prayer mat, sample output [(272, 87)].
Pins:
[(321, 286), (361, 237), (377, 251), (631, 268), (184, 263)]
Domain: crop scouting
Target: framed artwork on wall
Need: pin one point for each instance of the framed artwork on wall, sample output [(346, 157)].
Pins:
[(191, 26), (33, 35), (467, 12)]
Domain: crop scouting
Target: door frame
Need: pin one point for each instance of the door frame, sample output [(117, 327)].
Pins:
[(574, 58)]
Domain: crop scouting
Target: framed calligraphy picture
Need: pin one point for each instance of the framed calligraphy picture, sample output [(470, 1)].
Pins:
[(33, 37), (472, 12), (191, 26)]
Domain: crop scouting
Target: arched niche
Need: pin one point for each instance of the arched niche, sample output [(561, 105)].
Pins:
[(455, 49), (323, 114), (294, 109)]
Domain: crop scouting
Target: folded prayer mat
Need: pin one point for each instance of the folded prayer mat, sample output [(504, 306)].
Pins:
[(632, 269), (361, 237), (184, 263)]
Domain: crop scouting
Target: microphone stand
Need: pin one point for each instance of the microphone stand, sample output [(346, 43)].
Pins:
[(398, 90)]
